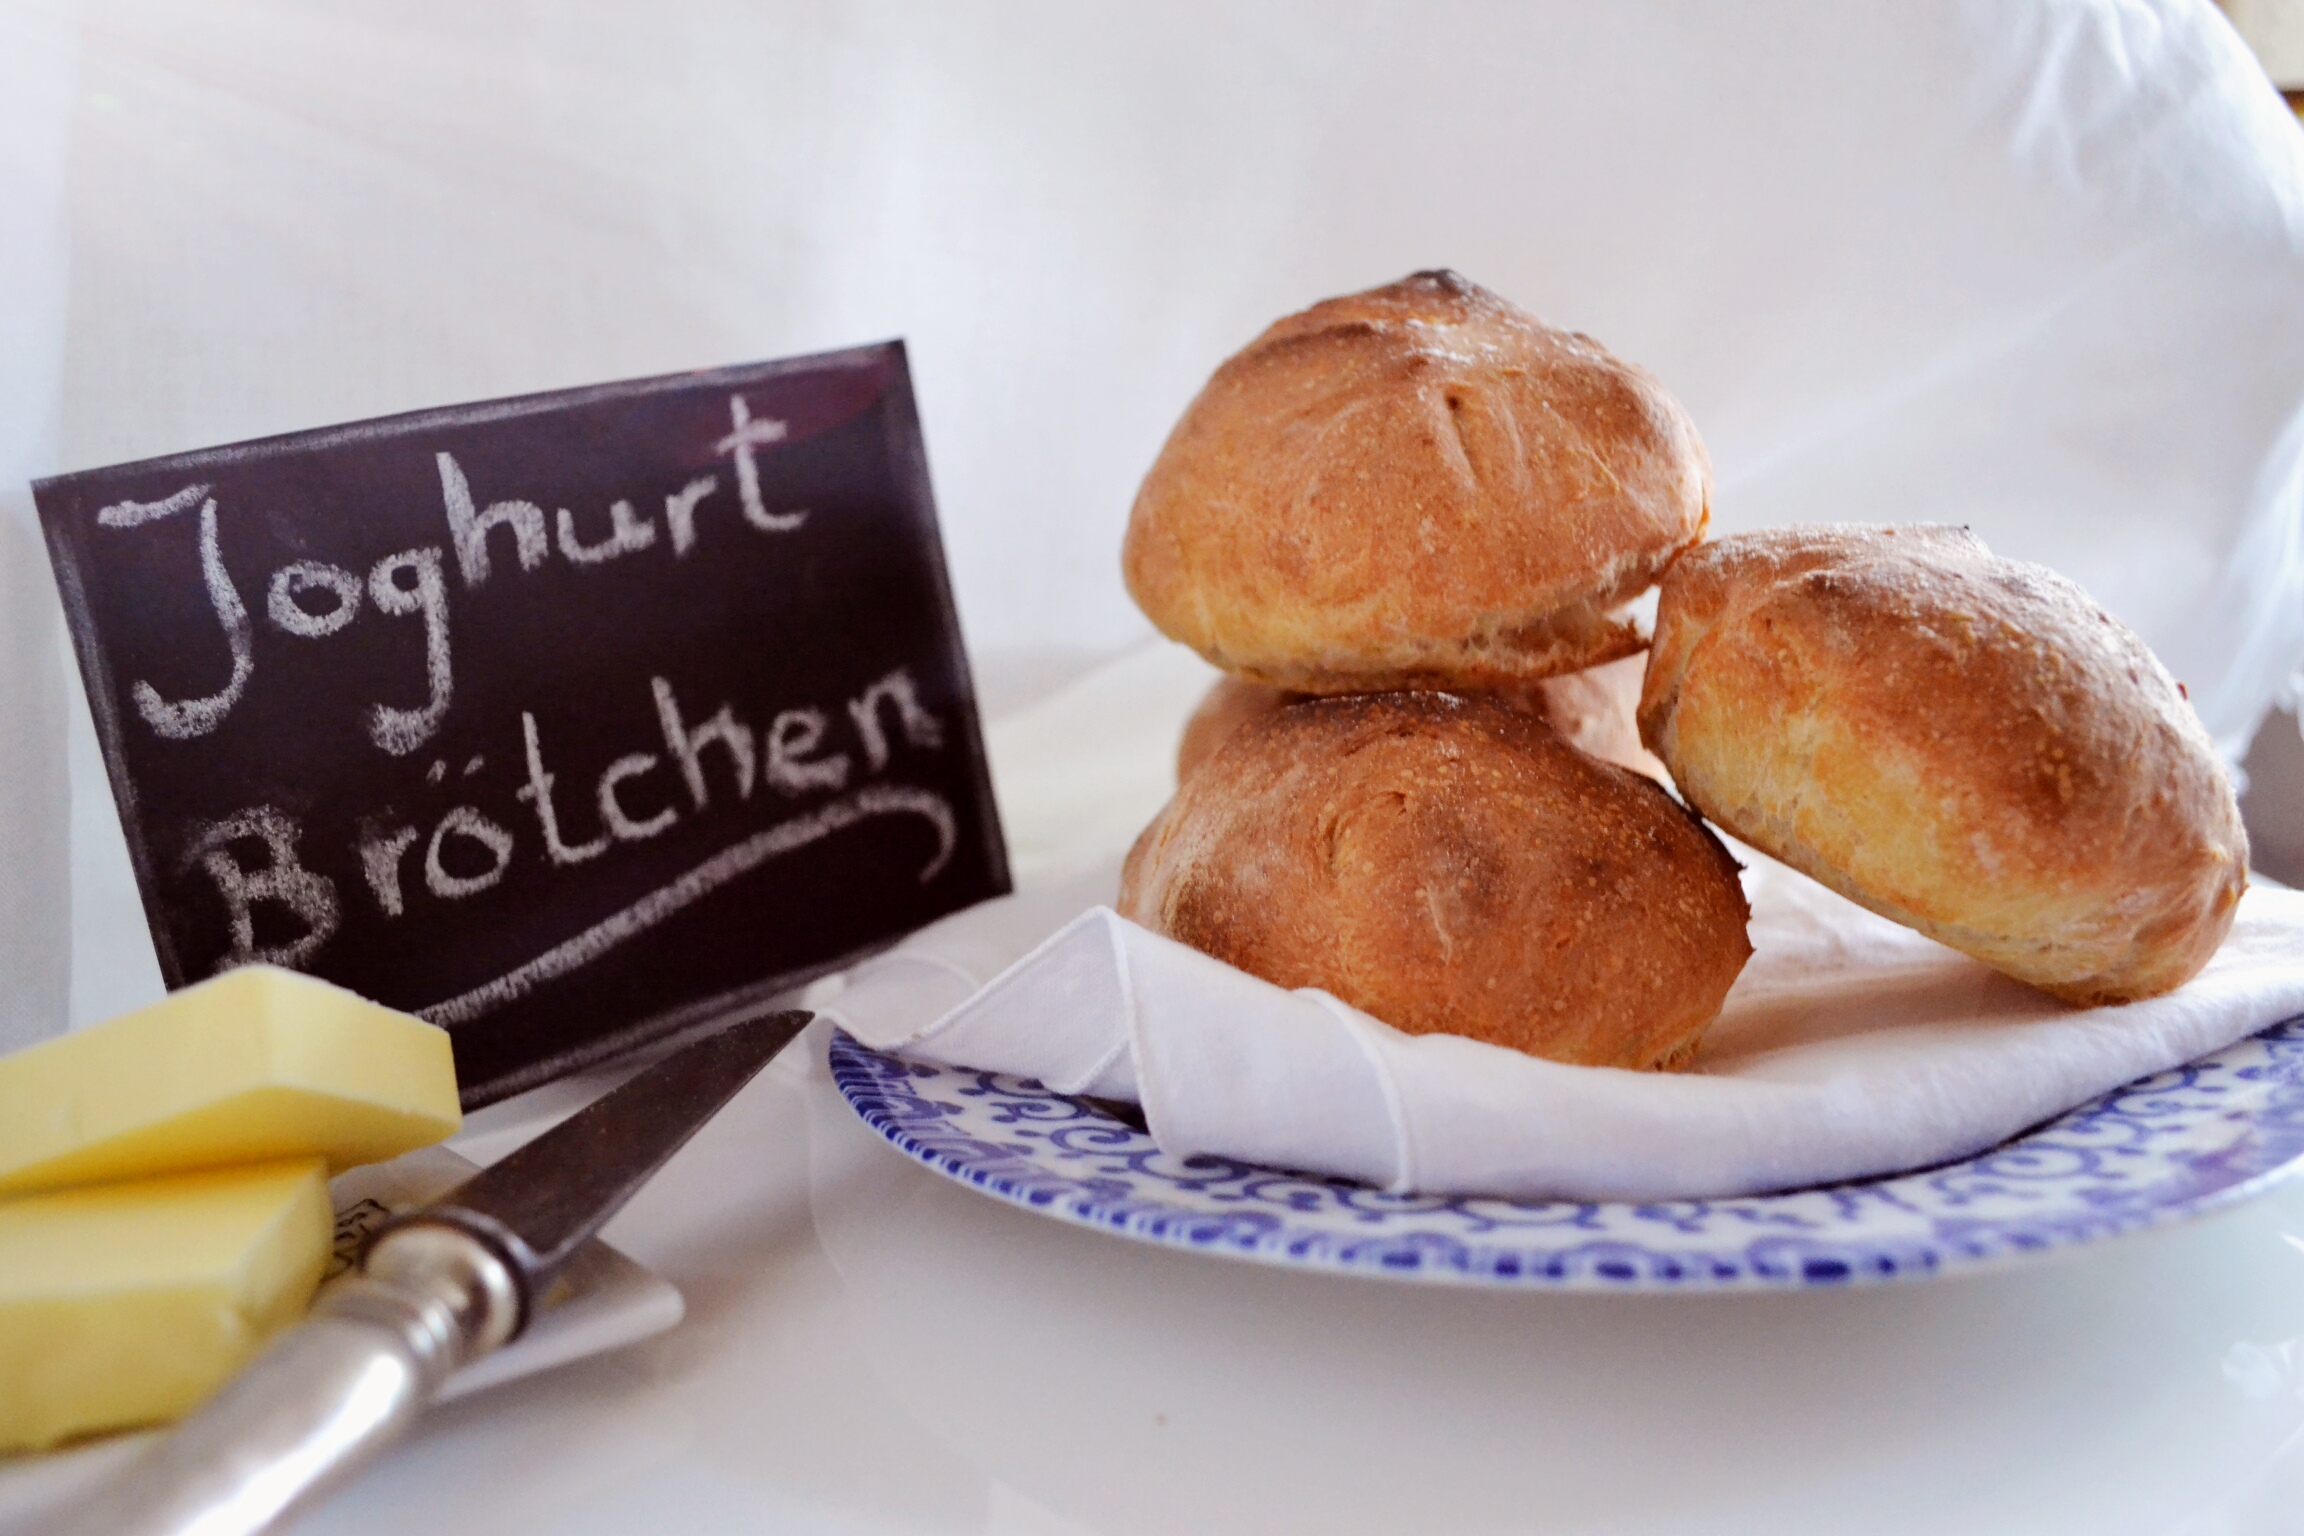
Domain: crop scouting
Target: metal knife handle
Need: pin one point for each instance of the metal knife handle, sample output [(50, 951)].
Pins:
[(322, 1401)]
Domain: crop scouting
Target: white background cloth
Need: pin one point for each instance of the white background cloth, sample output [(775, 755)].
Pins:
[(283, 214), (1849, 1046), (2039, 269), (35, 906)]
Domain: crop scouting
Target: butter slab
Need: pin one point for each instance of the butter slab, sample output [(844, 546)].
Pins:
[(257, 1064), (129, 1303)]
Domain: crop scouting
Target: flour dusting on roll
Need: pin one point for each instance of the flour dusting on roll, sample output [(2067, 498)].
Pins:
[(1450, 865), (1420, 486), (1593, 710), (1966, 744)]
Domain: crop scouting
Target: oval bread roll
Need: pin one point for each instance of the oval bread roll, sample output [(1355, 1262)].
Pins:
[(1421, 486), (1593, 711), (1449, 865), (1962, 743)]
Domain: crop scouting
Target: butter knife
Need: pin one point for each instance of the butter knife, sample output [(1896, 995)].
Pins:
[(436, 1288)]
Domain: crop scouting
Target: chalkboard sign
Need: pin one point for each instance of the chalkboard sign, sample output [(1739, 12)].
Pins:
[(565, 722)]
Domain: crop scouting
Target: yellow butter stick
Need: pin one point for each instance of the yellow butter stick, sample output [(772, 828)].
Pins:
[(128, 1303), (259, 1063)]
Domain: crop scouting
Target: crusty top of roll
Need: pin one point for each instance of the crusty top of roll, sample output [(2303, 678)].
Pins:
[(1449, 865), (1963, 743), (1417, 486), (1592, 710), (1229, 703)]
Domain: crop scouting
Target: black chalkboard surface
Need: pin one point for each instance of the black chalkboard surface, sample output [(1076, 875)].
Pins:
[(565, 721)]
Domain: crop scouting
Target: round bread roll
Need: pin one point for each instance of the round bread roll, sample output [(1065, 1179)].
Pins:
[(1450, 865), (1593, 711), (1962, 743), (1420, 486)]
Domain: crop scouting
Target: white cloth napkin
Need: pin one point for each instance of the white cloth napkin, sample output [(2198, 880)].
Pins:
[(1849, 1047)]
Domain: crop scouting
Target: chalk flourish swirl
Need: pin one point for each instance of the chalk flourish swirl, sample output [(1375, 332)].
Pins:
[(729, 864)]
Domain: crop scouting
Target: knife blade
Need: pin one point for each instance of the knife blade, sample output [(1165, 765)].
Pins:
[(436, 1288)]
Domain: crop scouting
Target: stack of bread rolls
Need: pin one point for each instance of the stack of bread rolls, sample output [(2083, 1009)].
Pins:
[(1408, 523)]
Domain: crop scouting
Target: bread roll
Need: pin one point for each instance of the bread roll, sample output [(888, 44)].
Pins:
[(1966, 744), (1420, 486), (1449, 864), (1593, 711)]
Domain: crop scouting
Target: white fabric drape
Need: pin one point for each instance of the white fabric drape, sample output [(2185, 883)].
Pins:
[(2039, 269), (36, 75)]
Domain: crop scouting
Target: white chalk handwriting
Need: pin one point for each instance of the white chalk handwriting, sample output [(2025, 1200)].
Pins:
[(312, 600), (253, 859)]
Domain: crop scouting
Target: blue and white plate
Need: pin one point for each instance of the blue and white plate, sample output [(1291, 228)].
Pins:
[(2174, 1145)]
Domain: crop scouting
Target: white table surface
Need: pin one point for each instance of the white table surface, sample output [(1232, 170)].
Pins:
[(870, 1348)]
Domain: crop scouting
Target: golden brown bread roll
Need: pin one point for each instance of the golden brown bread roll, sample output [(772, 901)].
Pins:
[(1417, 486), (1593, 711), (1962, 743), (1448, 864)]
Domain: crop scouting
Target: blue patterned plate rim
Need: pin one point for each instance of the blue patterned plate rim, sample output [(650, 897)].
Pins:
[(2175, 1145)]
